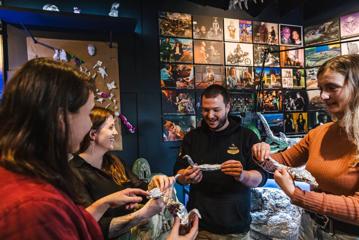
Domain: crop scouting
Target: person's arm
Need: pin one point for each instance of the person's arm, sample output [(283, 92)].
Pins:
[(122, 224), (343, 208)]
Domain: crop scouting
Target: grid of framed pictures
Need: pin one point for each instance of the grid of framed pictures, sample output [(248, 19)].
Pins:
[(198, 51)]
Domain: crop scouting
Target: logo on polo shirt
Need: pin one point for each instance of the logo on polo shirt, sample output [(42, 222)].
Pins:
[(233, 149)]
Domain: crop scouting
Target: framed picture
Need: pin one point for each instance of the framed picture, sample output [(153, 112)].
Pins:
[(175, 24), (265, 33), (231, 30), (272, 59), (176, 50), (350, 47), (315, 101), (206, 75), (317, 118), (275, 122), (239, 54), (349, 25), (209, 28), (295, 101), (291, 35), (300, 120), (176, 127), (208, 52), (239, 77), (311, 78), (322, 33), (291, 58), (270, 101), (178, 102), (245, 31), (316, 56), (293, 78), (178, 76), (271, 77), (243, 102)]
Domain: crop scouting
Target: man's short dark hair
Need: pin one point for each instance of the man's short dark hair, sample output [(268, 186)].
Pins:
[(215, 90)]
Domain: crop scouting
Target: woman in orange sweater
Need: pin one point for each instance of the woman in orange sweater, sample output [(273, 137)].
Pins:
[(331, 154)]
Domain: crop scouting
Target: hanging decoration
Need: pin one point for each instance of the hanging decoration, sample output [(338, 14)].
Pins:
[(233, 4)]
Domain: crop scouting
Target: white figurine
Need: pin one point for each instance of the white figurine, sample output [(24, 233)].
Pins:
[(111, 85), (63, 56), (98, 64), (102, 72), (77, 10), (50, 7), (114, 9), (91, 49), (56, 56)]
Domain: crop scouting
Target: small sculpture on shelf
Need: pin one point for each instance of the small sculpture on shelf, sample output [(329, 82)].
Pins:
[(114, 9)]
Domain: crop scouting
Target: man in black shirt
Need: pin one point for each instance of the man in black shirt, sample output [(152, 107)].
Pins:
[(222, 197)]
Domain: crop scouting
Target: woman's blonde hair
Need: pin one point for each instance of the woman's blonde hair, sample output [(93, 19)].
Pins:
[(348, 66)]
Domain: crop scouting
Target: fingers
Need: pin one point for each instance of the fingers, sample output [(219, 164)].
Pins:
[(197, 178), (176, 226), (135, 191), (194, 230), (261, 151)]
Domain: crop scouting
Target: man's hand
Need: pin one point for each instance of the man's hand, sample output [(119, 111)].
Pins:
[(232, 168), (260, 151), (190, 175), (163, 182), (191, 235)]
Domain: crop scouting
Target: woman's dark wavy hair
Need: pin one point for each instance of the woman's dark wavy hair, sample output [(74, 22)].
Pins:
[(33, 139), (111, 165)]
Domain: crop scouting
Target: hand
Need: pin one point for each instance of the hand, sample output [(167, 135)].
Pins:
[(191, 235), (152, 207), (190, 175), (162, 182), (260, 151), (125, 197), (232, 168), (285, 181)]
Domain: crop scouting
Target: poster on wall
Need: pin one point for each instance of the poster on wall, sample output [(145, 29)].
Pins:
[(295, 100), (349, 25), (316, 56), (296, 123), (322, 33), (208, 52), (239, 77), (242, 102), (95, 59), (270, 101), (315, 101), (209, 28), (291, 58), (265, 33), (239, 54), (175, 24), (275, 122), (290, 35), (317, 118), (272, 59), (350, 47), (231, 30), (176, 127), (271, 77), (176, 50), (311, 78), (179, 76), (293, 78), (178, 102), (206, 75), (245, 31)]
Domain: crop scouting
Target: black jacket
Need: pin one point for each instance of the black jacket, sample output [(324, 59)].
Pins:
[(223, 202)]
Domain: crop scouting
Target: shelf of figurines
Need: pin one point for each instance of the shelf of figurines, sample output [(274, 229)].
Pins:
[(58, 21)]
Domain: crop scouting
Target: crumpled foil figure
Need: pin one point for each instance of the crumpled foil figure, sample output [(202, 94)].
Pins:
[(174, 207), (50, 7), (298, 174), (203, 167)]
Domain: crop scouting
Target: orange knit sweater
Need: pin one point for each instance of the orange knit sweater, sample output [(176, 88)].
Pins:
[(328, 155)]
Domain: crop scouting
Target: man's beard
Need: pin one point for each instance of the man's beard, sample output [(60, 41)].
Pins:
[(221, 122)]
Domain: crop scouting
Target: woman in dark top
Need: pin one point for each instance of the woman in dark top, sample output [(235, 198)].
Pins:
[(300, 123), (102, 174)]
